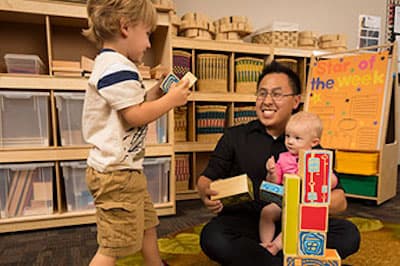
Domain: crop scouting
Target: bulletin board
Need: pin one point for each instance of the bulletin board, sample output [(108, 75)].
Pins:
[(351, 94)]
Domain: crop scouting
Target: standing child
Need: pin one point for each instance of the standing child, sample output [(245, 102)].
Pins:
[(115, 117), (303, 132)]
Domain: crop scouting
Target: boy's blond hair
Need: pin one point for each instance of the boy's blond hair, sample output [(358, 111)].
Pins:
[(104, 17), (309, 120)]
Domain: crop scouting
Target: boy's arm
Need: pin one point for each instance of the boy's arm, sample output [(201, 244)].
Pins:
[(146, 112)]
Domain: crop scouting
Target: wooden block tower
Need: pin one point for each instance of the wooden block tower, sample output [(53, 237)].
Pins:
[(305, 217)]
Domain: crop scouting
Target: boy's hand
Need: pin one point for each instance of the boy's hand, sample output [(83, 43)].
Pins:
[(179, 92)]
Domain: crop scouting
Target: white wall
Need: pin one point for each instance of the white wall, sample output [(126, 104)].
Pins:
[(322, 16)]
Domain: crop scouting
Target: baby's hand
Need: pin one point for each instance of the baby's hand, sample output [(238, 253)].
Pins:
[(270, 165)]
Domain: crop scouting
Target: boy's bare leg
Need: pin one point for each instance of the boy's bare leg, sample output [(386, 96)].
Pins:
[(150, 251), (102, 260)]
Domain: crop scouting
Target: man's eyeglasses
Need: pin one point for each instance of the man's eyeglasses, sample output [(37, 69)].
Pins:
[(277, 96)]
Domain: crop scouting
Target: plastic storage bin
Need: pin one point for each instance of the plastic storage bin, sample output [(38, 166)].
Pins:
[(76, 192), (157, 173), (26, 189), (24, 119), (157, 131), (24, 64), (70, 107)]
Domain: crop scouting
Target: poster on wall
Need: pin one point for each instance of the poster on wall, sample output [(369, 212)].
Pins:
[(349, 94), (369, 31)]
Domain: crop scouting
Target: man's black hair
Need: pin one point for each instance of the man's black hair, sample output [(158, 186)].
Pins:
[(275, 67)]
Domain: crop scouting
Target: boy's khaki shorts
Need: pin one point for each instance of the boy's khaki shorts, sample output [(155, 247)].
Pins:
[(123, 210)]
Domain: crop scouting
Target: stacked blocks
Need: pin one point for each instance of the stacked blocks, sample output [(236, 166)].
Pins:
[(305, 225)]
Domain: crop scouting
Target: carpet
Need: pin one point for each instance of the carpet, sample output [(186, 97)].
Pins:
[(380, 246)]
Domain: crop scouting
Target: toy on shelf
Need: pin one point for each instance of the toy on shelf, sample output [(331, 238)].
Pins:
[(232, 28), (308, 40), (333, 42), (197, 26), (70, 68), (305, 224)]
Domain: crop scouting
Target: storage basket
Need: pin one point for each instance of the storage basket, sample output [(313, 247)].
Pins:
[(210, 121), (180, 129), (182, 172), (212, 72), (277, 38), (181, 62), (243, 115), (247, 71), (359, 163), (359, 185)]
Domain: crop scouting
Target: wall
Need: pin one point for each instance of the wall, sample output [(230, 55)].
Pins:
[(322, 16)]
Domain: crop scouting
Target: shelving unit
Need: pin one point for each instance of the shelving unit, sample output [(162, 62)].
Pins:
[(199, 152), (52, 30)]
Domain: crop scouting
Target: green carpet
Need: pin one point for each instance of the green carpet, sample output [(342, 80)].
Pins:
[(380, 246)]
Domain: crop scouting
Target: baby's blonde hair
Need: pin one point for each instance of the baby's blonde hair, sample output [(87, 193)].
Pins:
[(104, 17), (309, 120)]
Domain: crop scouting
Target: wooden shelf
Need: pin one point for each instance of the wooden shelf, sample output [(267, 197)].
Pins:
[(187, 195), (193, 146), (360, 196), (64, 219), (221, 97), (68, 153)]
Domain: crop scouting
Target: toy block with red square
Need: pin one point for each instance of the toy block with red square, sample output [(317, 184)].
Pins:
[(313, 217)]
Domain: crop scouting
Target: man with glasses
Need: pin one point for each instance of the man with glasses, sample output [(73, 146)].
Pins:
[(232, 237)]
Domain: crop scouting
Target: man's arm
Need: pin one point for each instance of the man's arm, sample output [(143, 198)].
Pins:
[(338, 201), (203, 187)]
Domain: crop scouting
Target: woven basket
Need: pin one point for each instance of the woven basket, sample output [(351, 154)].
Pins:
[(243, 115), (181, 62), (180, 129), (247, 71), (277, 38), (210, 122), (182, 171), (212, 72)]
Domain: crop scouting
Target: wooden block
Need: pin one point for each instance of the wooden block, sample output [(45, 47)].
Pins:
[(168, 81), (192, 78), (233, 190), (315, 168), (314, 217), (65, 63), (312, 243), (158, 71), (331, 258), (87, 64), (290, 214), (271, 192)]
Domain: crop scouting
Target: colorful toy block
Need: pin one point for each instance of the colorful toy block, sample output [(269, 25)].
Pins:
[(271, 192), (313, 217), (331, 258), (315, 167), (312, 243)]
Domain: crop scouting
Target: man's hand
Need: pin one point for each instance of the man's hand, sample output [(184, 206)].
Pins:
[(203, 186)]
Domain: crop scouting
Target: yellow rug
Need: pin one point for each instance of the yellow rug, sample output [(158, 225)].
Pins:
[(380, 246)]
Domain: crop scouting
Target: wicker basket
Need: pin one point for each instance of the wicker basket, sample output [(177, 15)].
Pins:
[(210, 122), (212, 72), (277, 38), (181, 62), (244, 114), (182, 172), (180, 129), (247, 71)]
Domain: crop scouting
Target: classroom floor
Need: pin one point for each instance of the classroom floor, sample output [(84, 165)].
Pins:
[(76, 245)]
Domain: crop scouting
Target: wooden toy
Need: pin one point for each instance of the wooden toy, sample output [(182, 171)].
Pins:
[(197, 26), (315, 167), (232, 28), (233, 190), (271, 192), (167, 82), (305, 224)]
